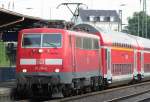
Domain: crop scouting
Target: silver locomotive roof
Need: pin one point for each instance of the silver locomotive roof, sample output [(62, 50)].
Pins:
[(113, 36)]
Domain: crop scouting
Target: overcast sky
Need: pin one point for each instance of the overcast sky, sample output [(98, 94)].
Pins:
[(47, 8)]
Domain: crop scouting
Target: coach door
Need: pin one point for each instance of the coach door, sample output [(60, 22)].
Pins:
[(135, 63), (109, 75), (142, 63), (72, 44)]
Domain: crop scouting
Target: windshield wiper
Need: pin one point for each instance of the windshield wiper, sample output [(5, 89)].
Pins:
[(53, 45)]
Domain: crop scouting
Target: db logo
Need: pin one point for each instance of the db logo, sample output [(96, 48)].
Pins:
[(40, 61)]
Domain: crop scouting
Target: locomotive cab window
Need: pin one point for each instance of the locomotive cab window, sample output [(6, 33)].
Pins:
[(31, 40), (51, 40), (42, 40)]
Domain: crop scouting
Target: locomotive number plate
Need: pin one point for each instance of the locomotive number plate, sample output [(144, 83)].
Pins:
[(40, 61)]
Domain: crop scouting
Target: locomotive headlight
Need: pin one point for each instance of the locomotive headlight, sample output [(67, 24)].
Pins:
[(57, 70), (40, 50), (24, 70)]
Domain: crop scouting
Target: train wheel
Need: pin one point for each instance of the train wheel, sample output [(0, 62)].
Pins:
[(14, 95), (105, 83), (21, 92), (95, 83), (67, 91), (87, 89), (139, 76)]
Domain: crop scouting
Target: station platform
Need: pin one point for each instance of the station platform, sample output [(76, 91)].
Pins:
[(5, 94), (8, 84), (6, 90)]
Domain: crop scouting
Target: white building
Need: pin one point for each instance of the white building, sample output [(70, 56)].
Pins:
[(106, 19)]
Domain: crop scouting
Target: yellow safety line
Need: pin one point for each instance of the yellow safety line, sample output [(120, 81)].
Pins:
[(120, 48)]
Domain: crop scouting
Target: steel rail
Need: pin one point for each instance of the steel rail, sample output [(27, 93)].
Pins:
[(127, 97), (109, 94)]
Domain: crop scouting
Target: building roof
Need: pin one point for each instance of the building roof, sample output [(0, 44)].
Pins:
[(85, 14), (12, 21)]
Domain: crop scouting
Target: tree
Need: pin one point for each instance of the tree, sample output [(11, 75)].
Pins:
[(137, 24)]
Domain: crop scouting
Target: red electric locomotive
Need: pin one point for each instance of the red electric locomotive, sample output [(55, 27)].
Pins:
[(53, 60)]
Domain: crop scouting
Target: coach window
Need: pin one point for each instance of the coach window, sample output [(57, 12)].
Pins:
[(95, 44), (78, 42), (121, 45), (127, 46), (115, 44), (87, 43), (90, 43), (118, 44)]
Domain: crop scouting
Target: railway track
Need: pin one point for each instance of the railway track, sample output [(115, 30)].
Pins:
[(122, 94), (10, 84), (133, 93), (136, 97)]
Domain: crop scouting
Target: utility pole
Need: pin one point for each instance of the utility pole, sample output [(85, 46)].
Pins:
[(11, 3), (120, 22), (144, 20)]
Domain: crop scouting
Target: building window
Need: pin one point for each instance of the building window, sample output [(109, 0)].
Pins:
[(107, 19), (111, 18), (101, 18), (91, 18)]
